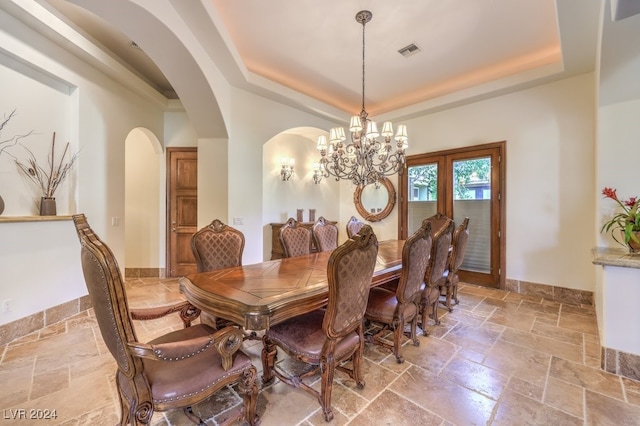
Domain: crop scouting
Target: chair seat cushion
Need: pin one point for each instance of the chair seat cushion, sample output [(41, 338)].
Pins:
[(303, 336), (175, 381), (382, 306)]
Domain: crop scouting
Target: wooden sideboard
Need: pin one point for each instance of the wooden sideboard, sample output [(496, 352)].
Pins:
[(277, 252)]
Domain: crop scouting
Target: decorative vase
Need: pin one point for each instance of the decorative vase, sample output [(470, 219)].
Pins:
[(1, 205), (633, 246), (47, 206)]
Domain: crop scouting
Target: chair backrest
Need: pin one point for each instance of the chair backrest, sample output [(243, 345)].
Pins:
[(415, 260), (295, 239), (460, 238), (437, 221), (217, 246), (439, 254), (325, 234), (353, 226), (349, 273), (108, 297)]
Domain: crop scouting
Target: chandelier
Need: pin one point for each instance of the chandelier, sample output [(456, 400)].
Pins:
[(366, 159)]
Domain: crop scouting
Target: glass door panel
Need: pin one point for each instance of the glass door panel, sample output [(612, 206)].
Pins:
[(472, 199), (422, 194)]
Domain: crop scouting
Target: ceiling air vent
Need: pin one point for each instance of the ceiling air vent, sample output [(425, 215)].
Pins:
[(409, 50)]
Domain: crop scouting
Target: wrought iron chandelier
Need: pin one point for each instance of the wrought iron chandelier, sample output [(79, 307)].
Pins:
[(365, 159)]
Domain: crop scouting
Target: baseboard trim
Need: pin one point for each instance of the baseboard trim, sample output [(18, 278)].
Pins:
[(144, 273), (558, 294), (34, 322), (621, 363)]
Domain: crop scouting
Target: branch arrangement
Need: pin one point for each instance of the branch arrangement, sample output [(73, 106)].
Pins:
[(48, 178), (12, 141)]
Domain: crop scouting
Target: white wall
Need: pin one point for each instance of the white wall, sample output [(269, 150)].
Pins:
[(550, 142), (144, 195), (97, 117)]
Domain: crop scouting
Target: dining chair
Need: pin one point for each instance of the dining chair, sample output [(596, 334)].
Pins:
[(353, 226), (459, 246), (395, 309), (326, 338), (174, 371), (295, 239), (434, 277), (325, 235), (217, 246)]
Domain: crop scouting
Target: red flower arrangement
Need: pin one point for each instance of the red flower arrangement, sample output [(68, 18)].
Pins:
[(627, 221)]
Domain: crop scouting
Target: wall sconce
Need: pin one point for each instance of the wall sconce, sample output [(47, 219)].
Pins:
[(287, 168), (317, 173)]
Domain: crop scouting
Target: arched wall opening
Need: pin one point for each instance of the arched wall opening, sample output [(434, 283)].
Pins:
[(281, 199), (144, 194)]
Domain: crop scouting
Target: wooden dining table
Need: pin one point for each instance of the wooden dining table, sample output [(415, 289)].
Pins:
[(263, 294)]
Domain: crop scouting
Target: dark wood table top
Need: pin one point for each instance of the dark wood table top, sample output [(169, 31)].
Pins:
[(257, 296)]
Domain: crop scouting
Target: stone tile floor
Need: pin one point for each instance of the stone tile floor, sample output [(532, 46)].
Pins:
[(499, 358)]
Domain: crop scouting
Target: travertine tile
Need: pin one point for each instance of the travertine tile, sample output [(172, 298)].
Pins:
[(515, 409), (498, 358), (476, 377), (544, 344), (602, 410), (586, 377), (446, 399), (565, 397), (391, 409)]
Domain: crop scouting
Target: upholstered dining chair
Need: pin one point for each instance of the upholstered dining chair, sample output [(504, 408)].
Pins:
[(295, 239), (354, 226), (395, 309), (325, 235), (459, 247), (325, 338), (217, 246), (434, 277), (174, 371)]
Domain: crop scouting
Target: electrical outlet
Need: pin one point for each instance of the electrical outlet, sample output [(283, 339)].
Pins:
[(6, 305), (238, 221), (115, 221)]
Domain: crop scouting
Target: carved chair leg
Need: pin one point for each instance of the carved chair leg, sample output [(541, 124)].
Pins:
[(424, 308), (448, 304), (398, 333), (269, 354), (188, 411), (328, 369), (414, 330), (357, 357), (249, 390)]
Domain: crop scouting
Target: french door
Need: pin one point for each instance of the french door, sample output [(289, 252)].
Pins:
[(461, 183)]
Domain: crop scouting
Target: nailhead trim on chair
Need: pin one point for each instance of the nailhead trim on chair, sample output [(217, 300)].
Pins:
[(165, 358), (188, 395)]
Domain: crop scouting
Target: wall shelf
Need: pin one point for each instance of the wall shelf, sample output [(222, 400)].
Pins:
[(9, 219)]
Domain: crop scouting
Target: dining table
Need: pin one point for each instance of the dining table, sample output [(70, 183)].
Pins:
[(260, 295)]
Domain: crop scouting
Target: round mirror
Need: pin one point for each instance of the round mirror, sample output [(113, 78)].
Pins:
[(375, 201)]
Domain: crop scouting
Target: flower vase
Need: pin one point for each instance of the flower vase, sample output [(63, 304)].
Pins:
[(47, 206), (634, 247)]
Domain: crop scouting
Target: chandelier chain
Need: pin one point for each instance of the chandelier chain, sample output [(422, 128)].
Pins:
[(366, 158)]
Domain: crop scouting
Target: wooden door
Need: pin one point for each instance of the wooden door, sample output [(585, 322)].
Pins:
[(466, 182), (182, 209)]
